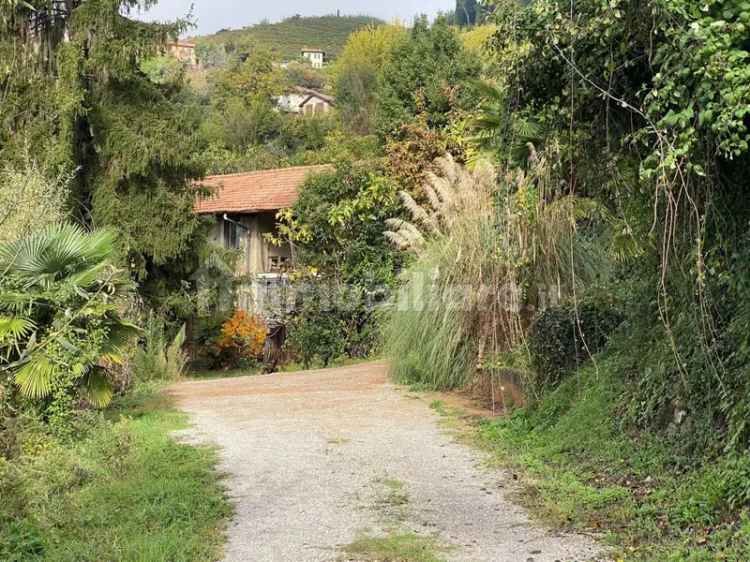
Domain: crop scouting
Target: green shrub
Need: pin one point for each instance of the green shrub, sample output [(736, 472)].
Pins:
[(332, 322), (157, 358), (316, 331), (561, 338)]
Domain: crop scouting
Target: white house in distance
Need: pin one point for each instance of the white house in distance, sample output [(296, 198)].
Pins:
[(315, 56), (305, 101)]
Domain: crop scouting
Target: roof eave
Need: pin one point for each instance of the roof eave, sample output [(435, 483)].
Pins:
[(253, 211)]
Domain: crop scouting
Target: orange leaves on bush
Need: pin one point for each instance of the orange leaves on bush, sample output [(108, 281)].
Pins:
[(244, 335)]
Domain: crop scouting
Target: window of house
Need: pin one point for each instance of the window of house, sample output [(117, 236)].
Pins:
[(279, 264), (231, 235)]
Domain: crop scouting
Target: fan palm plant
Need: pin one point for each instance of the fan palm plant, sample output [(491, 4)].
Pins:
[(497, 131), (60, 325)]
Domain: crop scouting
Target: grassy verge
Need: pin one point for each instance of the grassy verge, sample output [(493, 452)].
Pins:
[(294, 366), (289, 367), (118, 489), (582, 470), (395, 547), (208, 374)]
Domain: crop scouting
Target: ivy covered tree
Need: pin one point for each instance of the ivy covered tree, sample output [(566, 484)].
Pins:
[(73, 88), (428, 74)]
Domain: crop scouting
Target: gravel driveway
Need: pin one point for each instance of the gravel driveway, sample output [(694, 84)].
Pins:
[(318, 459)]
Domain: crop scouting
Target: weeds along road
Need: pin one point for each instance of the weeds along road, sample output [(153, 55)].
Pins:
[(338, 464)]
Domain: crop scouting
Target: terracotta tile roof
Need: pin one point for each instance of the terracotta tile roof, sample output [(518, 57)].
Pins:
[(252, 192), (313, 94)]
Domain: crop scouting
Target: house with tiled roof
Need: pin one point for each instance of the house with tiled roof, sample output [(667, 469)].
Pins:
[(183, 51), (245, 207), (305, 101)]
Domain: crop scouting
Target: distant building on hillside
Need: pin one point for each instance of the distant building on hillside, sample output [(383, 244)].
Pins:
[(305, 101), (183, 51), (316, 56)]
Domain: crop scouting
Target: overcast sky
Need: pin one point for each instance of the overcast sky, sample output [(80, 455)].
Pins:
[(212, 15)]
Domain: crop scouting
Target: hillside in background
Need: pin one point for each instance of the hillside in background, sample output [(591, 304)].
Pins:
[(289, 36)]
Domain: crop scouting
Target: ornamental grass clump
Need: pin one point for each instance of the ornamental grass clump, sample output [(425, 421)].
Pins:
[(488, 253), (158, 358)]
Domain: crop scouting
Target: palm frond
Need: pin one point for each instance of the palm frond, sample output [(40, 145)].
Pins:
[(15, 328), (488, 90), (56, 252), (17, 301), (97, 390), (120, 335), (34, 379), (88, 276), (527, 129)]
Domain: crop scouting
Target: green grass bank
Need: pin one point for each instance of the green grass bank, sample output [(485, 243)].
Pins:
[(581, 469), (118, 487)]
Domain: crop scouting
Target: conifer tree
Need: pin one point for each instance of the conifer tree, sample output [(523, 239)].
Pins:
[(72, 88)]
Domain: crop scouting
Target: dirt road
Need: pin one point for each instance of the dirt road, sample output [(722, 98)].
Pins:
[(324, 465)]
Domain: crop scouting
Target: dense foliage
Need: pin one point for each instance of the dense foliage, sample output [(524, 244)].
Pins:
[(61, 330), (29, 200), (562, 338), (98, 142), (429, 75), (74, 90), (357, 70), (591, 220), (337, 224), (639, 111), (336, 228), (666, 104)]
